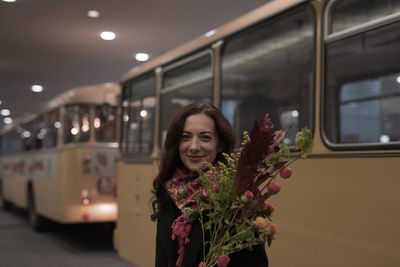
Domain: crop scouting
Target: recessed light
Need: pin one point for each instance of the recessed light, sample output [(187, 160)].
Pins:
[(10, 1), (398, 79), (108, 84), (93, 14), (107, 36), (5, 112), (7, 120), (37, 88), (210, 33), (142, 57)]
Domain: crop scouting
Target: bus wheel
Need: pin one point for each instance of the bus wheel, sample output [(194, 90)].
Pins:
[(5, 205), (36, 221)]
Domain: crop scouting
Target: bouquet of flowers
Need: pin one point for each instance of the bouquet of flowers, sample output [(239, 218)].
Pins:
[(231, 206)]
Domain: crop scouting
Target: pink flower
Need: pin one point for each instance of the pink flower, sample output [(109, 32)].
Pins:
[(286, 172), (270, 206), (261, 222), (222, 260), (272, 227), (273, 188), (202, 264), (249, 195)]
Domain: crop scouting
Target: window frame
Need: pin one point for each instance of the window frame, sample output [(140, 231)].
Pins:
[(127, 91), (329, 38)]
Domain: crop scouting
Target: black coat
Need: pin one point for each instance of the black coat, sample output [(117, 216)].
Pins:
[(166, 248)]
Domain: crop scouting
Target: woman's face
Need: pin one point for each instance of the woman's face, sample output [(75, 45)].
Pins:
[(199, 142)]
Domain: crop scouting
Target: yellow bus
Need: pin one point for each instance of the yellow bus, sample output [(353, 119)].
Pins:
[(60, 162), (330, 65)]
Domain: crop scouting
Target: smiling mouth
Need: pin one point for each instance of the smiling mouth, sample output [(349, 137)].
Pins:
[(195, 158)]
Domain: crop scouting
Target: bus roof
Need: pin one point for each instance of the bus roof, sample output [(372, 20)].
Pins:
[(263, 12), (91, 94)]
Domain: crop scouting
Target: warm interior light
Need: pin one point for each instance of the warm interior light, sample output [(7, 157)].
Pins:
[(107, 36), (295, 113), (74, 131), (26, 134), (57, 124), (126, 117), (96, 122), (143, 113), (85, 128)]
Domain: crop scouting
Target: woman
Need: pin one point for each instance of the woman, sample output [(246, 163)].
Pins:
[(199, 133)]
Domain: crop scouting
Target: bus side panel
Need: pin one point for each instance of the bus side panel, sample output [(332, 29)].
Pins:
[(338, 212), (14, 180), (136, 242), (14, 190), (74, 180), (46, 184)]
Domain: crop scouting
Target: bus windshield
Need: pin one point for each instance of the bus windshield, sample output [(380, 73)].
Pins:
[(105, 123)]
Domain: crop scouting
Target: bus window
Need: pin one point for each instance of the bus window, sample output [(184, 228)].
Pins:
[(53, 124), (27, 137), (38, 132), (270, 69), (138, 106), (185, 82), (350, 13), (11, 142), (76, 123), (105, 126), (362, 91)]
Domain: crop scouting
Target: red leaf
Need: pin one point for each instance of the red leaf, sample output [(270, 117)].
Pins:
[(263, 142)]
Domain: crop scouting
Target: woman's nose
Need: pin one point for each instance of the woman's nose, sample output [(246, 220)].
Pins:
[(194, 144)]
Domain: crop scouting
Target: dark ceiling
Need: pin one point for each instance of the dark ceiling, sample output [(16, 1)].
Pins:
[(55, 44)]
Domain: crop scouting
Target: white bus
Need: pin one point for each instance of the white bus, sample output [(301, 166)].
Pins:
[(59, 162)]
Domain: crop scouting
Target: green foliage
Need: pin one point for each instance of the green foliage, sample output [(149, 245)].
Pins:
[(282, 155), (304, 142)]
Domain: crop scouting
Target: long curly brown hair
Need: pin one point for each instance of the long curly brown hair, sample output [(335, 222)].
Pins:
[(170, 155)]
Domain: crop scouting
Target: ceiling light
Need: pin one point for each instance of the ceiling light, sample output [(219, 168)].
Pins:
[(10, 1), (108, 85), (37, 88), (142, 57), (93, 14), (107, 36), (210, 33), (7, 120), (0, 102), (5, 112), (398, 79)]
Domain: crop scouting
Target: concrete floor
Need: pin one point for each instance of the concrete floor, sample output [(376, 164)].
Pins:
[(59, 246)]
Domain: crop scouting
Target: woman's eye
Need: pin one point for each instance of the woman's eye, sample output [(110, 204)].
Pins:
[(206, 138), (185, 137)]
